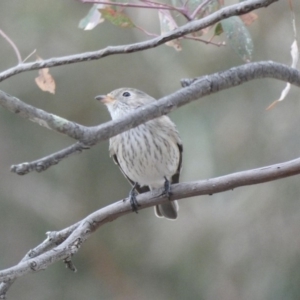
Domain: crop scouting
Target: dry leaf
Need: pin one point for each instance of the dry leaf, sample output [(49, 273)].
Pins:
[(167, 23), (295, 58), (204, 31), (117, 18), (45, 80), (285, 91)]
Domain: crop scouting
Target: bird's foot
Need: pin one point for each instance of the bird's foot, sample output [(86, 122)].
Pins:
[(132, 198), (167, 188)]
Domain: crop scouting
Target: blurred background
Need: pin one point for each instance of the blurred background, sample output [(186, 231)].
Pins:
[(241, 244)]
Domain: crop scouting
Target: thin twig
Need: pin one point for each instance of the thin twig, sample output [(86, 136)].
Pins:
[(10, 41), (43, 164), (182, 10), (194, 38), (29, 55), (199, 8), (146, 32), (133, 5)]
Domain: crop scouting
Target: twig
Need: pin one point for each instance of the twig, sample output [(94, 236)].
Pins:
[(82, 230), (43, 164), (199, 8), (10, 41), (145, 31), (182, 10), (133, 5), (187, 37), (194, 38), (29, 55)]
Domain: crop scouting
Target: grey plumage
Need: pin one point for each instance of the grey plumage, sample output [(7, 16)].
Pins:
[(148, 153)]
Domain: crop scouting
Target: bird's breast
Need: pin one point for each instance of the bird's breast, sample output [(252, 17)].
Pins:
[(146, 154)]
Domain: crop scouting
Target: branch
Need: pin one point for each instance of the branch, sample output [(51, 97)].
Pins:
[(44, 163), (194, 89), (224, 13), (43, 118), (70, 239)]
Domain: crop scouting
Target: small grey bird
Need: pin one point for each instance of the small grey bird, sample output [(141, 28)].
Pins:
[(150, 154)]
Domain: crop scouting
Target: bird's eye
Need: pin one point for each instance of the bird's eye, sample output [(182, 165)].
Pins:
[(126, 94)]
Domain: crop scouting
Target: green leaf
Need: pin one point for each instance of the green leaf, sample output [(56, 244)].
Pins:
[(238, 37), (218, 29), (117, 18)]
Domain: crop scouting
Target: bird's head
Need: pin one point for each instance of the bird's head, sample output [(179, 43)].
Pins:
[(124, 100)]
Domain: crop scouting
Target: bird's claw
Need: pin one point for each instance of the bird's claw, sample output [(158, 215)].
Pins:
[(132, 199), (167, 188)]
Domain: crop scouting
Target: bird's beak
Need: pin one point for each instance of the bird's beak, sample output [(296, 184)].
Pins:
[(105, 99)]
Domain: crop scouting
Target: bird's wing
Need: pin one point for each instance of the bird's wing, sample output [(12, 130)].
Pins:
[(166, 125), (175, 177), (138, 188)]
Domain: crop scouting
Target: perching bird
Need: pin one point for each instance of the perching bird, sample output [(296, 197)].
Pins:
[(150, 154)]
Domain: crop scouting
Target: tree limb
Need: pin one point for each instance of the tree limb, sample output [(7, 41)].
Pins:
[(193, 89), (62, 245), (44, 163), (193, 26), (41, 117)]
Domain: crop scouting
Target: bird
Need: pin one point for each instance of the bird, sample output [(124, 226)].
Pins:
[(149, 155)]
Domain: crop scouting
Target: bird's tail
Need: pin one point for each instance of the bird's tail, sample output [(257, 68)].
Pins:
[(167, 210)]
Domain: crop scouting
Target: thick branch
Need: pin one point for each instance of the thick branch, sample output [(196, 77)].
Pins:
[(224, 13), (40, 116), (71, 238), (194, 89)]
